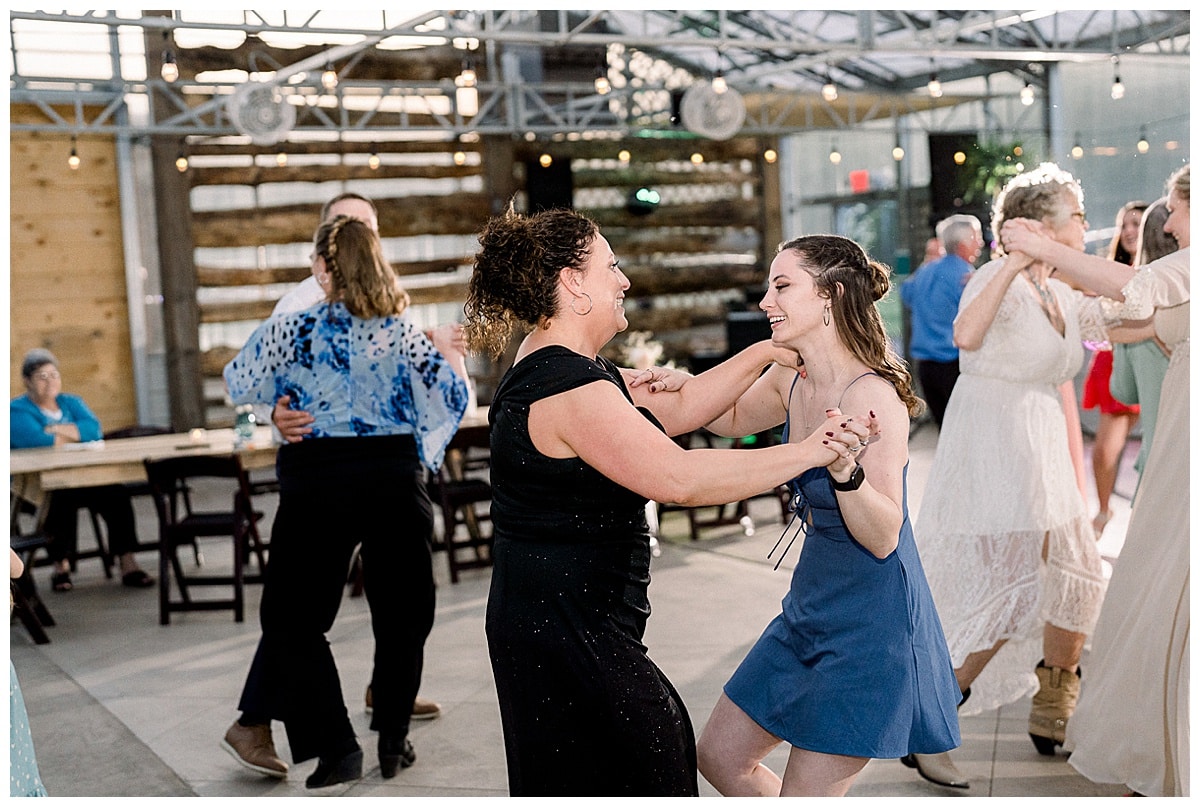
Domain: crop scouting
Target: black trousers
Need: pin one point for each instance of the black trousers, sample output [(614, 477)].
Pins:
[(937, 382), (113, 505), (337, 493)]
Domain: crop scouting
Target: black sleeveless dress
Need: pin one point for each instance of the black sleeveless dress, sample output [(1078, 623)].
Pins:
[(585, 712)]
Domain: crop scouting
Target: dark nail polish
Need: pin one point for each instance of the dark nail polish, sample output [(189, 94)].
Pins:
[(829, 434)]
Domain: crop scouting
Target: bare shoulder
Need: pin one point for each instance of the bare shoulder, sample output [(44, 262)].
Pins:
[(873, 393)]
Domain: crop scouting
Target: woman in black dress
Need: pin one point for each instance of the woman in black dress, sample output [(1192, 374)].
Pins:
[(584, 710)]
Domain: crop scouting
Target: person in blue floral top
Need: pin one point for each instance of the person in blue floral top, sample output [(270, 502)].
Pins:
[(386, 403)]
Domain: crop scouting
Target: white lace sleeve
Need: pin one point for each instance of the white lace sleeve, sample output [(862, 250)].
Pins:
[(1160, 284)]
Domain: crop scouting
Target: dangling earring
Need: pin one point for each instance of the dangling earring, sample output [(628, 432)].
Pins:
[(825, 316), (589, 308)]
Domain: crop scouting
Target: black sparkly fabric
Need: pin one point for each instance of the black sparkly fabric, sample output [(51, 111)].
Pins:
[(585, 711)]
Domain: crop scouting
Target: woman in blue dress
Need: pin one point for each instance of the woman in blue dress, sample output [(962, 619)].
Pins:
[(856, 666), (385, 404)]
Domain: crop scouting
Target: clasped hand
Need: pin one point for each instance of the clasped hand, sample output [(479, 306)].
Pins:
[(845, 438)]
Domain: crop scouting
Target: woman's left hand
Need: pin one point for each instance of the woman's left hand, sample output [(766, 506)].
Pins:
[(847, 437), (1023, 235), (660, 379)]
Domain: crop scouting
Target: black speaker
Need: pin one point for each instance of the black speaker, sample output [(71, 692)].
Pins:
[(744, 328), (949, 181), (549, 187)]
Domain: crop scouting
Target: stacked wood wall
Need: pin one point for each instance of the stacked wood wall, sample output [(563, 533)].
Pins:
[(67, 289)]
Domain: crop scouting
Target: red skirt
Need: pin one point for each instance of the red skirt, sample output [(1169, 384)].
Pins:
[(1095, 388)]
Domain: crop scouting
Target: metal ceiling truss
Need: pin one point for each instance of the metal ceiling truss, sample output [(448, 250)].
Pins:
[(882, 56)]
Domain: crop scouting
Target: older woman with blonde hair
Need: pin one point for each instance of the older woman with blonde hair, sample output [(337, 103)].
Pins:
[(1132, 724), (1003, 528)]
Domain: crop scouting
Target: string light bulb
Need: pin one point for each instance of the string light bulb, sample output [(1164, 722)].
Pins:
[(460, 158), (602, 84), (770, 156), (1027, 94), (281, 159), (329, 78), (373, 160), (835, 156), (1143, 145), (697, 158), (830, 91), (1077, 149), (181, 162), (73, 159), (1118, 89), (934, 86), (719, 84), (897, 153), (466, 94), (545, 161)]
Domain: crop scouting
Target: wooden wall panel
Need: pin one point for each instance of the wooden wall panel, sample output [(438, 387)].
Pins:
[(67, 287)]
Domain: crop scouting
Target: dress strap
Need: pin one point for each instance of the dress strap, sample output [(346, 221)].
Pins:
[(852, 383), (787, 409)]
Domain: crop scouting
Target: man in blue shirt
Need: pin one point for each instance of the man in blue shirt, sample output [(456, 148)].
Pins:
[(932, 295)]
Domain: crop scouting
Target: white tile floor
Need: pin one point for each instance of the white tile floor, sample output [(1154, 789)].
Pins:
[(123, 707)]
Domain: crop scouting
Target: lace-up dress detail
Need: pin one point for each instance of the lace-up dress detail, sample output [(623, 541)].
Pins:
[(1001, 481), (856, 663)]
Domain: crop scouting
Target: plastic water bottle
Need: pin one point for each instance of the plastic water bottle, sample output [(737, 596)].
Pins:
[(243, 427)]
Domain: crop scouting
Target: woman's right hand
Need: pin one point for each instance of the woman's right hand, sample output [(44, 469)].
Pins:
[(845, 438), (293, 424), (659, 379)]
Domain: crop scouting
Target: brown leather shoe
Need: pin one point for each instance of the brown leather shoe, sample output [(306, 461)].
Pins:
[(253, 747), (422, 709)]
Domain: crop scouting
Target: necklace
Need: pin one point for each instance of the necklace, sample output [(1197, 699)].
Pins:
[(1048, 302), (812, 394)]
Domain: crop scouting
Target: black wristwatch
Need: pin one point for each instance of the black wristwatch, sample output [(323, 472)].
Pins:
[(853, 483)]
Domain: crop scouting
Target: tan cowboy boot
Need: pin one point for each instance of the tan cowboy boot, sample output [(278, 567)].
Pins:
[(1053, 706)]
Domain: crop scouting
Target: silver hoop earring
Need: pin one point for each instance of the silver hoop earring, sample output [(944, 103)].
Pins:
[(589, 308), (825, 316)]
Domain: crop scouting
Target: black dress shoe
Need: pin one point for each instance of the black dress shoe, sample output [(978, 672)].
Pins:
[(346, 769), (394, 754)]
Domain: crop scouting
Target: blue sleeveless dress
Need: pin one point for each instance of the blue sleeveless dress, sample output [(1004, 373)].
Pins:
[(856, 664)]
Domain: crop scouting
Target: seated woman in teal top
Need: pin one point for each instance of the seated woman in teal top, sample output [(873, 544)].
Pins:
[(46, 416)]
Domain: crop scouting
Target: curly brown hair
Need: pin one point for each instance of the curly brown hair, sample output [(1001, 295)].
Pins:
[(357, 269), (853, 283), (516, 271)]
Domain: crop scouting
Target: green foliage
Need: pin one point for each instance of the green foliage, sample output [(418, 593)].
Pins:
[(988, 167)]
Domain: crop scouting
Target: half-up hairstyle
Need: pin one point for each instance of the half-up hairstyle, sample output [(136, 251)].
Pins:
[(358, 273), (515, 276), (853, 283)]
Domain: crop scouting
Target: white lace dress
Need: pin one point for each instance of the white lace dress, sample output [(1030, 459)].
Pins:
[(1001, 480), (1131, 726)]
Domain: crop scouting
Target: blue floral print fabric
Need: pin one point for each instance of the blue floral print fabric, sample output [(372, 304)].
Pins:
[(356, 377)]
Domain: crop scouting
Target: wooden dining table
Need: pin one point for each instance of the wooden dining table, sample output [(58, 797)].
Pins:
[(35, 473)]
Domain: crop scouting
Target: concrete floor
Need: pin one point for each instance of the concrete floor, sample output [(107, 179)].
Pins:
[(121, 706)]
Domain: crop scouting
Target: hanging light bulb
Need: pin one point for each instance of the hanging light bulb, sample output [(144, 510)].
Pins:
[(1118, 89), (770, 156), (169, 70), (329, 79), (835, 156), (718, 83), (466, 96), (897, 153), (460, 158), (934, 86), (281, 159), (1077, 149), (830, 91), (545, 161), (1143, 145), (373, 160), (697, 158), (602, 85), (623, 155), (1027, 94), (73, 160), (181, 162)]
